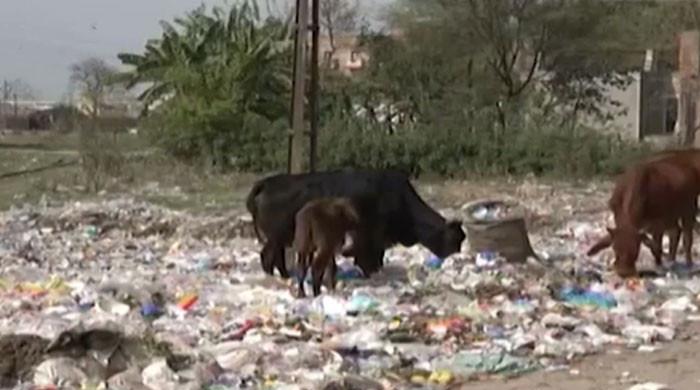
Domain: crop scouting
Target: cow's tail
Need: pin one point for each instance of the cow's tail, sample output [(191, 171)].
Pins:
[(252, 205)]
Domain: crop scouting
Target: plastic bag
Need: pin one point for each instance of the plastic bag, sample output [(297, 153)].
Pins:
[(158, 376), (62, 372)]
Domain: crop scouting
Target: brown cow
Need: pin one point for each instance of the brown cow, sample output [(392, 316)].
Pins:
[(651, 197), (691, 156), (319, 235)]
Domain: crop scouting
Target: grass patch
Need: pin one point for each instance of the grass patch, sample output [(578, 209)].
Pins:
[(67, 142), (158, 178), (57, 184), (151, 176)]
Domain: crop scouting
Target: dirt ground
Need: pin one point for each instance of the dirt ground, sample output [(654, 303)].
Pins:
[(674, 364)]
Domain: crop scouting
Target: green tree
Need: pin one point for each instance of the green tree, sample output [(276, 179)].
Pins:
[(488, 54), (220, 72), (488, 84)]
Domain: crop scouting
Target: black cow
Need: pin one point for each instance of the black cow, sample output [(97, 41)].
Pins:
[(391, 208)]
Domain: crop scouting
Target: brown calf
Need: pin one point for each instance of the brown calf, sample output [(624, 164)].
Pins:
[(651, 197), (319, 235)]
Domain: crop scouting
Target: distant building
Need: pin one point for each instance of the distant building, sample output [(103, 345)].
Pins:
[(344, 55), (660, 103), (14, 114), (24, 107), (123, 106)]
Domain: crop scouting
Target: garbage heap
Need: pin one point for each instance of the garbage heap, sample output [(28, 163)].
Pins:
[(128, 295)]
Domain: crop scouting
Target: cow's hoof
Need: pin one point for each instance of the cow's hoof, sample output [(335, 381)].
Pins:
[(368, 274), (283, 273), (268, 269)]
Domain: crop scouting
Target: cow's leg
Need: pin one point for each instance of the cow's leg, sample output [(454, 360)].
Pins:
[(267, 257), (369, 254), (379, 246), (656, 248), (370, 259), (376, 259), (674, 237), (363, 260), (280, 261), (688, 225), (359, 251), (303, 266), (688, 242), (333, 269), (349, 251)]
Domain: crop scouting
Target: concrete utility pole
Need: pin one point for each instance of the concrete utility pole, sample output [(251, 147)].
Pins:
[(298, 133), (3, 103), (296, 162), (689, 70), (313, 98)]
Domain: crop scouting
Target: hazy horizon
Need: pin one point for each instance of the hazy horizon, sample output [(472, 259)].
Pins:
[(38, 47)]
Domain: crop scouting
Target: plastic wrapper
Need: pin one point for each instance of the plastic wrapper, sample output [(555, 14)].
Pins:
[(159, 376), (191, 308), (62, 372)]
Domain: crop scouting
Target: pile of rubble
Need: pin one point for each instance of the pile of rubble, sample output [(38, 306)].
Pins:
[(128, 295)]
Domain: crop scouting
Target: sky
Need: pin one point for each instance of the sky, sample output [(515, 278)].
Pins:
[(40, 39)]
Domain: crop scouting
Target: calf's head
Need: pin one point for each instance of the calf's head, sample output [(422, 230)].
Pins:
[(448, 239), (625, 243)]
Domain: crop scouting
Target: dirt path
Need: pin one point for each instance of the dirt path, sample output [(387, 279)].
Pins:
[(676, 365), (67, 152)]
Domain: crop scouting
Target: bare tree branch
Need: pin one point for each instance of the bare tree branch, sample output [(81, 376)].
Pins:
[(94, 77), (338, 16), (20, 89)]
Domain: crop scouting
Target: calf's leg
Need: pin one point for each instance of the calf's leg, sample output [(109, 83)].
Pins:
[(303, 261), (318, 268), (329, 275), (280, 261)]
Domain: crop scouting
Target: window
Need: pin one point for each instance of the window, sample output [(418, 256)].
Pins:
[(353, 56), (659, 107), (335, 64)]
